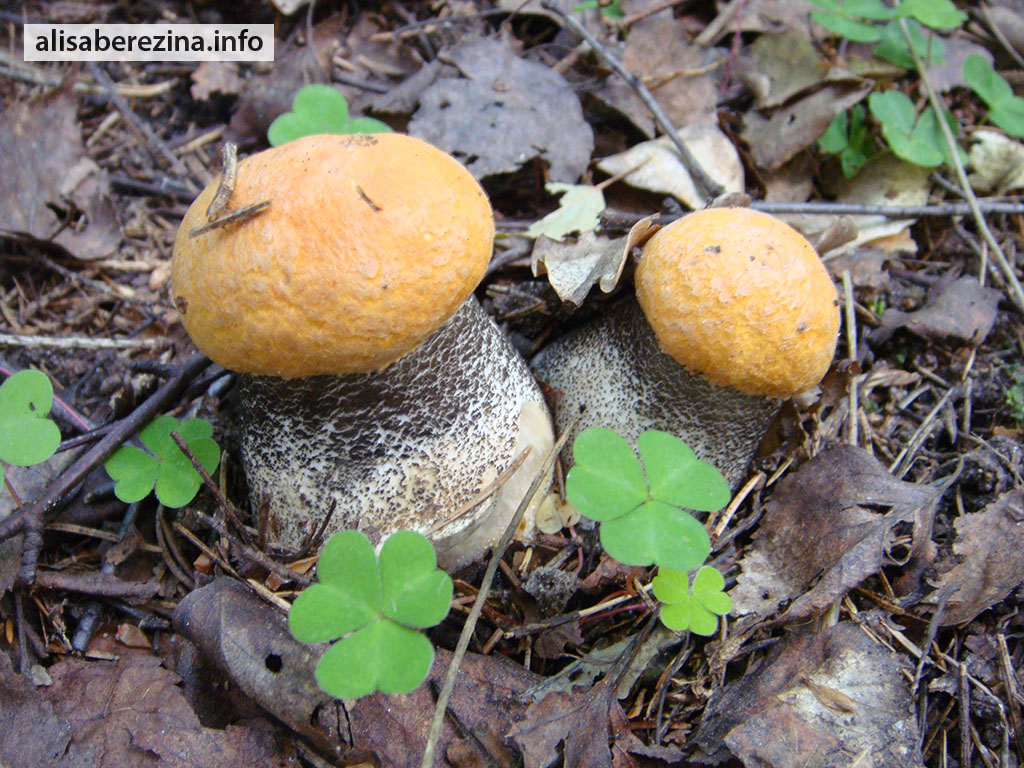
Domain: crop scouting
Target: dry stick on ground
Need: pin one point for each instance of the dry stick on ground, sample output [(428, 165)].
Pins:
[(97, 583), (1013, 284), (230, 513), (80, 342), (221, 528), (29, 518), (700, 176), (136, 122), (474, 612), (614, 220)]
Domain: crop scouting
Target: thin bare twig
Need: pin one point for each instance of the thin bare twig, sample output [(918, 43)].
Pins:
[(700, 176), (140, 125), (616, 220), (221, 528), (80, 342), (239, 214), (226, 185), (474, 613)]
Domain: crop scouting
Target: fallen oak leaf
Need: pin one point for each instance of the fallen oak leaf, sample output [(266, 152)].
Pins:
[(577, 211)]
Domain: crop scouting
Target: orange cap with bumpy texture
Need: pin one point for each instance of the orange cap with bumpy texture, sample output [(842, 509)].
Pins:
[(370, 243), (742, 299)]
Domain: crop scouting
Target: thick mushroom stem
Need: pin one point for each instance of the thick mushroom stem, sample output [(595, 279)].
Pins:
[(406, 447), (614, 374)]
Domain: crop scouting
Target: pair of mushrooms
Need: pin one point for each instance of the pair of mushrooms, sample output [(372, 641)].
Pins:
[(370, 380)]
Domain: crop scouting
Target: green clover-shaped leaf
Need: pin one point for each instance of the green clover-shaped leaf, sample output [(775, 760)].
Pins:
[(416, 592), (852, 29), (382, 656), (347, 596), (936, 14), (676, 476), (892, 45), (1005, 109), (848, 136), (27, 436), (607, 480), (135, 472), (373, 609), (656, 533), (695, 609), (643, 517), (319, 108), (919, 142)]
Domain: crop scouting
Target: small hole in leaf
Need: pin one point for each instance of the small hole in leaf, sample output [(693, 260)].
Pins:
[(273, 662)]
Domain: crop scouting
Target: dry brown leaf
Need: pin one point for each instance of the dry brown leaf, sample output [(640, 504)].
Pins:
[(574, 268), (997, 162), (796, 127), (45, 164), (503, 112), (30, 734), (779, 66), (131, 713), (816, 531), (212, 77), (990, 547), (675, 71), (249, 641), (963, 310), (885, 180), (866, 266), (580, 721), (659, 169), (132, 636), (820, 700)]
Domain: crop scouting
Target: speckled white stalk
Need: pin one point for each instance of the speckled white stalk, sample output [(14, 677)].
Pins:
[(615, 373), (402, 448)]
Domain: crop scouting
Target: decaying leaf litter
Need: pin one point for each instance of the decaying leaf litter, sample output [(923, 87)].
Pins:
[(873, 558)]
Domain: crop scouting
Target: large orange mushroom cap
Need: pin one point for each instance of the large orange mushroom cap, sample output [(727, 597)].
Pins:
[(370, 243), (742, 299)]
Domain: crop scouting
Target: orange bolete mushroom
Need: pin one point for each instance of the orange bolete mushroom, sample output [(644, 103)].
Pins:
[(735, 312), (369, 376)]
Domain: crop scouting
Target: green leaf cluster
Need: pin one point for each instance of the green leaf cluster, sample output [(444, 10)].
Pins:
[(27, 436), (135, 472), (859, 21), (642, 508), (612, 10), (918, 139), (319, 108), (1014, 395), (695, 608), (375, 606), (1004, 108), (849, 137)]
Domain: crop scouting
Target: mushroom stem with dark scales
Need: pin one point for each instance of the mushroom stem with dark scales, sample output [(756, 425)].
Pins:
[(370, 377), (735, 312)]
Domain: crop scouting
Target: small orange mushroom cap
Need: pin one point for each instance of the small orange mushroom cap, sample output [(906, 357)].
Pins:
[(370, 243), (742, 299)]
